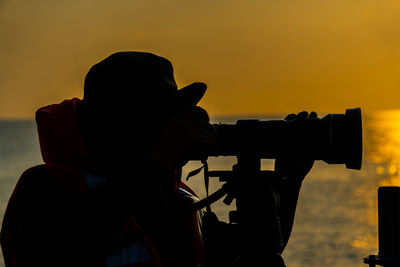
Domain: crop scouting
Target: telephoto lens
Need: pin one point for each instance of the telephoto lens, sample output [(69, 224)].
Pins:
[(335, 138)]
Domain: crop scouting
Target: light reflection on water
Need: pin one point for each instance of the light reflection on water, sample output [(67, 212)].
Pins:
[(382, 161), (384, 145)]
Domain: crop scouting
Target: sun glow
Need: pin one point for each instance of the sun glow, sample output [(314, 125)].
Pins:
[(383, 147)]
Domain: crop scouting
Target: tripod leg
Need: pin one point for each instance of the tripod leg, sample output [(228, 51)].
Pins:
[(256, 203)]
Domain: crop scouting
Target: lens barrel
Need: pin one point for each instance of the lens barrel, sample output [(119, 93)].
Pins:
[(335, 138)]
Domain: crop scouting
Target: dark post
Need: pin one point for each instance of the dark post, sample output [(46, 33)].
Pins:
[(388, 228), (389, 221)]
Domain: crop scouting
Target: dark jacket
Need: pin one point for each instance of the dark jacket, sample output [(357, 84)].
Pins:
[(56, 216)]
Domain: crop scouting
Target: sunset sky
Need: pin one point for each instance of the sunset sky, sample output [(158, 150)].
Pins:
[(257, 56)]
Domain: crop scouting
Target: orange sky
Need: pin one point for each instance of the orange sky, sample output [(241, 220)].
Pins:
[(256, 56)]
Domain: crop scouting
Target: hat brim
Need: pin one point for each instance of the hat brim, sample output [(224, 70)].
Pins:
[(191, 95)]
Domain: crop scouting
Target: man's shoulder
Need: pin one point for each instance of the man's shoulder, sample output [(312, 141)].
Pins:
[(33, 176), (48, 170), (34, 181), (48, 181), (34, 187), (53, 177), (35, 172)]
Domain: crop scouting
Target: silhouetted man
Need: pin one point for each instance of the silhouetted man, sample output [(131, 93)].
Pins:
[(107, 193)]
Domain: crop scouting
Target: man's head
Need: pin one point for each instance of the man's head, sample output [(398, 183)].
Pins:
[(128, 99)]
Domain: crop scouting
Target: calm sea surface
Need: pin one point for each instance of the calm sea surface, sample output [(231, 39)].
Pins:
[(336, 219)]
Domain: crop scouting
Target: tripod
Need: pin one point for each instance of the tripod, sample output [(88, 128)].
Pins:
[(255, 224)]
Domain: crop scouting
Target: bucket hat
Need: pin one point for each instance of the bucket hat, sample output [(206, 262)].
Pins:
[(136, 84)]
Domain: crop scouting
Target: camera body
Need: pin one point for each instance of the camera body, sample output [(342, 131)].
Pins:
[(335, 138)]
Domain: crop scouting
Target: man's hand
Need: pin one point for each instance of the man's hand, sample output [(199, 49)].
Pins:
[(188, 135), (295, 169)]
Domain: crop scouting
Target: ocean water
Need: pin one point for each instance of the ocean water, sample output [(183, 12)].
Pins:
[(336, 218)]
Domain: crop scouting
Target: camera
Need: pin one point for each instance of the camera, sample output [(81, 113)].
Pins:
[(335, 138)]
